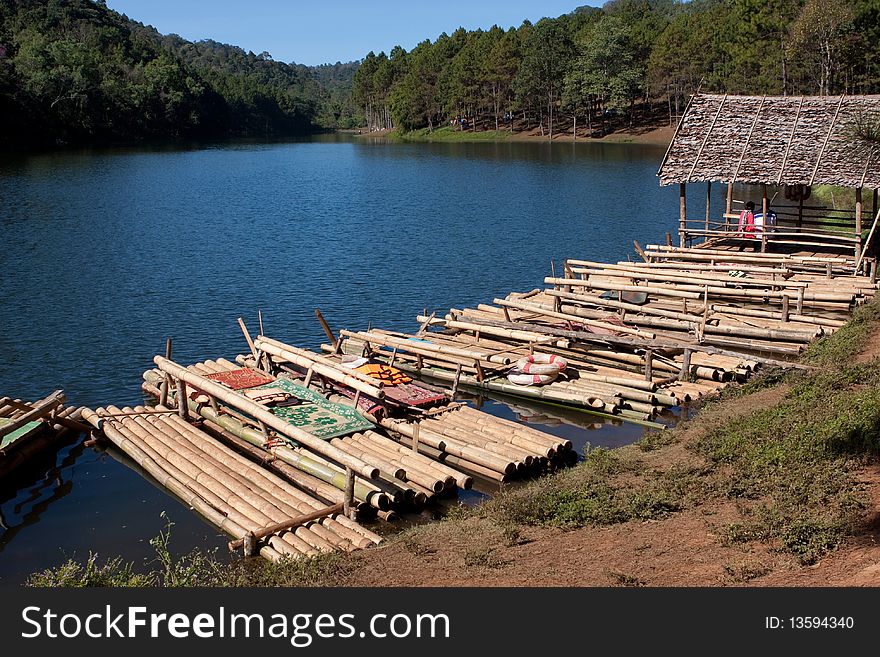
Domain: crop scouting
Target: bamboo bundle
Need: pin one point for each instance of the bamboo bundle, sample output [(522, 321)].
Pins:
[(534, 308), (261, 414), (424, 346)]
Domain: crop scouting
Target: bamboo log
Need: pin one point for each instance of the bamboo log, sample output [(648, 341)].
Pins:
[(550, 313), (248, 481), (236, 495), (451, 446), (461, 480), (452, 460), (333, 371), (276, 488), (286, 525), (418, 470), (423, 346)]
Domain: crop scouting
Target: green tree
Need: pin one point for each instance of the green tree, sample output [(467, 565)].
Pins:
[(819, 32)]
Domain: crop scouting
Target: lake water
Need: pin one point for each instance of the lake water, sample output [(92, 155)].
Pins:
[(106, 253)]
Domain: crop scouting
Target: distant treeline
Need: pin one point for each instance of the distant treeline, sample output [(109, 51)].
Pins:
[(76, 71), (621, 59)]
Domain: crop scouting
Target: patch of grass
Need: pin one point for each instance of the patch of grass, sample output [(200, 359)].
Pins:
[(605, 489), (745, 570), (653, 440), (768, 378), (195, 569), (797, 458), (72, 574), (839, 348), (449, 134), (484, 557)]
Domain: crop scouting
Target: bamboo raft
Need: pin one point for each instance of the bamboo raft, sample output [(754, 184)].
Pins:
[(277, 488), (701, 318), (638, 339), (29, 428)]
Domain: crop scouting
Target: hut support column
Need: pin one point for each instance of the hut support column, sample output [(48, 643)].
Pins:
[(858, 222), (729, 206), (682, 225), (764, 218), (708, 206)]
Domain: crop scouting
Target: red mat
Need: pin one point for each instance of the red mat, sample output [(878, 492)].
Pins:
[(243, 377), (411, 394)]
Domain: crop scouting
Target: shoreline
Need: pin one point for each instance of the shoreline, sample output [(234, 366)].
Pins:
[(657, 136)]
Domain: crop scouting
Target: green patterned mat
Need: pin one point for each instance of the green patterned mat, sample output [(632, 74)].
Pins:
[(19, 433), (319, 417)]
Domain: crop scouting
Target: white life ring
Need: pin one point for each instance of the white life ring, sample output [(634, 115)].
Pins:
[(523, 379), (541, 364)]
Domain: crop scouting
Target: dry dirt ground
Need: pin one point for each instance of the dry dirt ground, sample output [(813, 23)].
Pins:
[(684, 549)]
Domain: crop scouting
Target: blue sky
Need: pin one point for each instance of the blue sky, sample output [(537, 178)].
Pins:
[(317, 32)]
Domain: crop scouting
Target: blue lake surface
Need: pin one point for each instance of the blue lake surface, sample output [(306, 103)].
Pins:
[(107, 253)]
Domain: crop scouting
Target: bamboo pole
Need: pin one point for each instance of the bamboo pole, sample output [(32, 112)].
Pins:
[(285, 525), (322, 366), (550, 313), (39, 410), (682, 218)]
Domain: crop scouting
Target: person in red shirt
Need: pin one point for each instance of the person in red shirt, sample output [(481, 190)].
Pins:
[(747, 221)]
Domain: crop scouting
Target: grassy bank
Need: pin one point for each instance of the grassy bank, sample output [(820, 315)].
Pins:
[(784, 450), (448, 134)]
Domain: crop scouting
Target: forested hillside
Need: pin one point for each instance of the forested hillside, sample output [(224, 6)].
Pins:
[(628, 59), (338, 110), (76, 71)]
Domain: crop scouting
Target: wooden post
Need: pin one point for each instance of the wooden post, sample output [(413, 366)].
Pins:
[(166, 382), (336, 342), (858, 248), (800, 211), (348, 501), (828, 270), (729, 205), (859, 212), (764, 218), (247, 337), (182, 405), (249, 544), (260, 318), (785, 303), (685, 365), (649, 365), (800, 301), (456, 380), (708, 206), (682, 203), (415, 438)]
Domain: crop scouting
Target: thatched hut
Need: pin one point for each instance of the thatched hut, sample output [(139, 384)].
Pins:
[(784, 145)]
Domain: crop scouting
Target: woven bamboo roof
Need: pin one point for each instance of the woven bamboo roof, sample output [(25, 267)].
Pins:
[(774, 140)]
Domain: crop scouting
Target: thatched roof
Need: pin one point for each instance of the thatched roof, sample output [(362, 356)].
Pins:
[(774, 140)]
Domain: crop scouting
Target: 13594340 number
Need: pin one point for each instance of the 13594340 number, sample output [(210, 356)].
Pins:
[(821, 622)]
